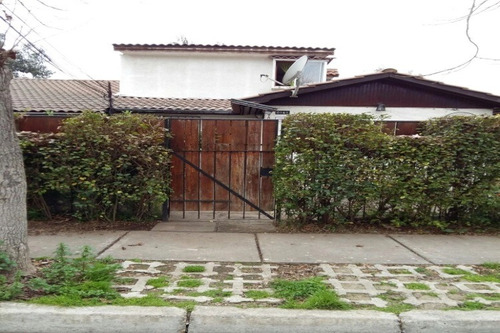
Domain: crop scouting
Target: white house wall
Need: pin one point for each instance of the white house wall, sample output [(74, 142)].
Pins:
[(390, 114), (198, 75)]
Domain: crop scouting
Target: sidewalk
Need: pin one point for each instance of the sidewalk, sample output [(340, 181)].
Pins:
[(218, 241), (364, 269)]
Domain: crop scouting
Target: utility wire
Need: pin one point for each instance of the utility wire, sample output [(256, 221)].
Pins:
[(42, 38), (49, 60)]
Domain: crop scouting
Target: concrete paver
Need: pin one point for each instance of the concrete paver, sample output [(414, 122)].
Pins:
[(45, 245), (194, 246), (335, 248), (444, 249)]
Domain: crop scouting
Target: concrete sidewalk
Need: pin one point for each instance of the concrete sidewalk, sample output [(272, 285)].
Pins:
[(199, 241), (252, 253)]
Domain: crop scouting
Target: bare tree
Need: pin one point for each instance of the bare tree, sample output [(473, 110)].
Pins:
[(13, 215)]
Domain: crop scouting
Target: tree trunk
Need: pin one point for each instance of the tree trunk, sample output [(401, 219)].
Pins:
[(13, 215)]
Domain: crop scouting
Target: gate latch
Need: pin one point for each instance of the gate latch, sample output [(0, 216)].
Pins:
[(266, 172)]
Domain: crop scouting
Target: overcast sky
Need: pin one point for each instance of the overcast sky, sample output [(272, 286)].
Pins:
[(418, 37)]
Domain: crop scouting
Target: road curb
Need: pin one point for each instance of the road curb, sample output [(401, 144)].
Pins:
[(208, 319), (27, 318), (453, 321)]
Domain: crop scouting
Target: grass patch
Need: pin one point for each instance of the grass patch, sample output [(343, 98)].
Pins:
[(189, 283), (309, 293), (158, 282), (423, 270), (399, 271), (257, 294), (153, 300), (124, 280), (472, 305), (417, 286), (491, 265), (455, 271), (396, 308), (211, 293), (194, 269), (493, 276), (488, 297)]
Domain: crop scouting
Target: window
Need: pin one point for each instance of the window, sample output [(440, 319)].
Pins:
[(313, 72)]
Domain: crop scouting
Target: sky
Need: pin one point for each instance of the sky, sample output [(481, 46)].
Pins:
[(415, 37)]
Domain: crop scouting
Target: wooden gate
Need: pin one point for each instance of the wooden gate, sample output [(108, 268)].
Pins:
[(222, 168)]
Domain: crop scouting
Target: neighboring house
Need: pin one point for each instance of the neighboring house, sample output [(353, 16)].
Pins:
[(402, 101), (213, 71), (56, 99)]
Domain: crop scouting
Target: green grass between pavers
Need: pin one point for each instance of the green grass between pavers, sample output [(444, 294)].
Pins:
[(488, 297), (158, 282), (491, 275), (309, 293), (257, 294), (417, 286), (194, 269), (189, 283), (216, 293)]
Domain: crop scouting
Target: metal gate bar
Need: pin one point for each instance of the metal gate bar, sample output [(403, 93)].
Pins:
[(221, 184)]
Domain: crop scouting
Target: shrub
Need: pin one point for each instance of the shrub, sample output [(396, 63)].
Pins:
[(100, 167), (332, 168)]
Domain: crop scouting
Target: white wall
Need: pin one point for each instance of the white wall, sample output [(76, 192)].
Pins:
[(194, 75), (390, 114)]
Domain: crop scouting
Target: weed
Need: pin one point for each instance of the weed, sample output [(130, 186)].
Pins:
[(423, 270), (81, 281), (189, 283), (257, 294), (417, 286), (325, 300), (158, 282), (298, 290), (194, 269), (455, 271)]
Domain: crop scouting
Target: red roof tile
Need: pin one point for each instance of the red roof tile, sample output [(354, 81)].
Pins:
[(74, 96)]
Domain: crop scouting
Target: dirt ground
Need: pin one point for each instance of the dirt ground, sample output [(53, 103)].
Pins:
[(70, 225)]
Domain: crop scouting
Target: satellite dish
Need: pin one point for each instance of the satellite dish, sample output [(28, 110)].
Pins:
[(295, 70)]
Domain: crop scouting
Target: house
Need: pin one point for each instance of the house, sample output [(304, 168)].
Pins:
[(213, 71), (400, 100)]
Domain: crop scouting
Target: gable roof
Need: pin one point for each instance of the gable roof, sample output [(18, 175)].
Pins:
[(291, 52), (399, 89), (75, 96)]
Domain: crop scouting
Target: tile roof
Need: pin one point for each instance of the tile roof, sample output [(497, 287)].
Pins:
[(316, 52), (74, 96), (68, 96), (171, 104)]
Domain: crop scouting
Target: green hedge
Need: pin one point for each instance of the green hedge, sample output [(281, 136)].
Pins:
[(334, 168), (99, 167)]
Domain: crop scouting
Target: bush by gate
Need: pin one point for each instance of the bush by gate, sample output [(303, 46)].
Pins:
[(333, 168), (98, 167)]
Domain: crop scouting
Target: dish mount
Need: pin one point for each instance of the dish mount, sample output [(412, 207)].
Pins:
[(292, 75)]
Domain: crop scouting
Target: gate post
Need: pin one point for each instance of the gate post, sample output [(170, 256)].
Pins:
[(166, 205)]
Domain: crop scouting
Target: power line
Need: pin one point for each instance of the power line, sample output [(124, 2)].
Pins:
[(49, 60)]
